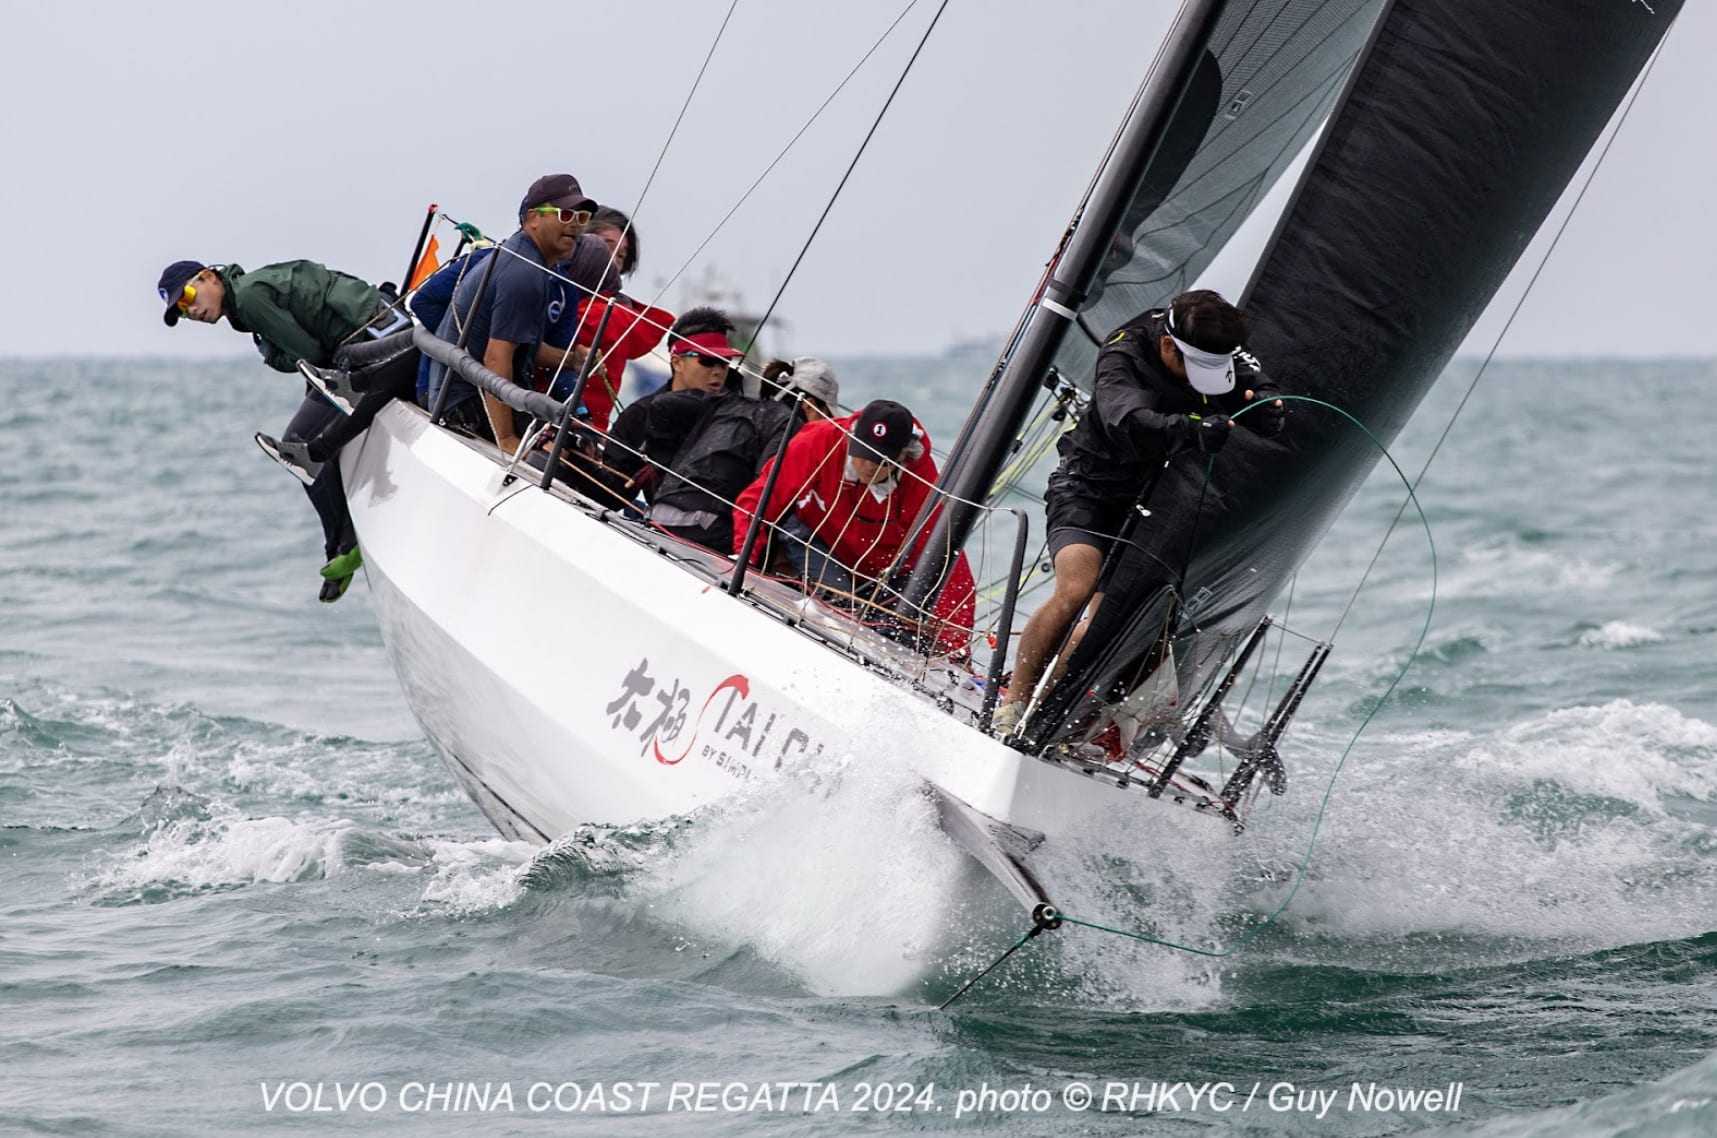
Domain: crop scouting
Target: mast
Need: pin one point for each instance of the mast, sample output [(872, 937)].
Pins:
[(982, 448), (1455, 136)]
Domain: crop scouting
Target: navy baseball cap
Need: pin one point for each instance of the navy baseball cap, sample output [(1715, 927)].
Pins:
[(883, 430), (172, 285), (559, 190)]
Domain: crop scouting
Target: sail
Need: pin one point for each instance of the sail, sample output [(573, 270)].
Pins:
[(1231, 98), (1457, 135), (1267, 79)]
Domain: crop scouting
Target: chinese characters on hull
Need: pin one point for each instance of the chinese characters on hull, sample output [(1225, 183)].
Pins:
[(735, 728)]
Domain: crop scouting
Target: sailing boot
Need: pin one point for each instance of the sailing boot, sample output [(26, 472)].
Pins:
[(295, 457), (334, 384), (344, 565), (338, 573)]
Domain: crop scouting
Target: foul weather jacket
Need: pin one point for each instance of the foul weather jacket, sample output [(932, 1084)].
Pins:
[(863, 533), (297, 310), (1139, 413), (633, 330), (733, 436)]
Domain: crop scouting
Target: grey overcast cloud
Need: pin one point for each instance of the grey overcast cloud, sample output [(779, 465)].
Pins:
[(137, 134)]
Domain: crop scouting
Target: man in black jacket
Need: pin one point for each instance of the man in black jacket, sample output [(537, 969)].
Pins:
[(1167, 382), (645, 437), (728, 443)]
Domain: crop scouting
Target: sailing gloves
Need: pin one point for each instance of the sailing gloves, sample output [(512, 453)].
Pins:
[(1264, 416), (1266, 419), (1208, 432)]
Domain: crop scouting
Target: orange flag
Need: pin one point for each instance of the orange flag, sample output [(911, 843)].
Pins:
[(426, 264)]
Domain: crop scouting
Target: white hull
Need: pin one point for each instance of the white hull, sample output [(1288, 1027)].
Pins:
[(570, 672)]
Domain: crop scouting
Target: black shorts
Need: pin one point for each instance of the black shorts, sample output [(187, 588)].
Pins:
[(1076, 516)]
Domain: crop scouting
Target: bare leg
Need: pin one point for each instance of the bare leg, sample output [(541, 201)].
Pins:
[(1076, 569)]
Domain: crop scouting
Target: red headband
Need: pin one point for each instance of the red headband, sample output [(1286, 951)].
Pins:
[(707, 344)]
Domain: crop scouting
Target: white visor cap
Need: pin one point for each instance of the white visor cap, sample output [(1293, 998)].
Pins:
[(1211, 373)]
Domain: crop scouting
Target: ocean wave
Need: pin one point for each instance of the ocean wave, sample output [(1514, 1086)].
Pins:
[(868, 920), (1679, 1105), (188, 844), (1559, 829), (1618, 634), (474, 876), (199, 852), (605, 859), (1504, 563)]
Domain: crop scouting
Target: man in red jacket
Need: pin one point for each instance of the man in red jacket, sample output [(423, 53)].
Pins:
[(847, 494), (849, 489)]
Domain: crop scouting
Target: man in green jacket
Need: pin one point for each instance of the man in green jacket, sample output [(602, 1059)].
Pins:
[(296, 310)]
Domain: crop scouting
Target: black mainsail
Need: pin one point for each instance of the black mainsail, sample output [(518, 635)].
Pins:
[(1454, 139)]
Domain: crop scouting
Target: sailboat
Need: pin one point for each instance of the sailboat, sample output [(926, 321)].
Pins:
[(574, 666)]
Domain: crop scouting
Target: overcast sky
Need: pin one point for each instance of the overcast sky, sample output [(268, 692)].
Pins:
[(136, 134)]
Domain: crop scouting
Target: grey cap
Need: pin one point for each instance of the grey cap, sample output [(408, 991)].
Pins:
[(815, 378)]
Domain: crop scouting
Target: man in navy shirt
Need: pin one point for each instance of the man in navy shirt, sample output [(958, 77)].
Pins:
[(506, 328)]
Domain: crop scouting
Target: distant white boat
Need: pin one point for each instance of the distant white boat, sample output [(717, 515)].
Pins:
[(980, 349), (650, 372)]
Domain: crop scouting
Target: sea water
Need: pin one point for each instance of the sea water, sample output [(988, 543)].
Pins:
[(239, 893)]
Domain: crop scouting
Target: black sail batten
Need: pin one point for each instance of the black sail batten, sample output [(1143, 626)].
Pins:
[(1459, 131)]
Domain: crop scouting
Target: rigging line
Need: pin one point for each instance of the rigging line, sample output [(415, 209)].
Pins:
[(851, 166), (1179, 584), (1627, 109), (791, 142), (680, 118), (998, 585), (967, 986), (649, 181), (1371, 713), (1281, 642)]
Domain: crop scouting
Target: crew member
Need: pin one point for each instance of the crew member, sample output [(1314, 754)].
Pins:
[(506, 324), (1167, 383), (294, 310), (644, 437), (732, 438), (633, 328)]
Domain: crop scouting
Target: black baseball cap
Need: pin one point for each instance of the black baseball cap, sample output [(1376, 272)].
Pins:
[(559, 190), (172, 285), (883, 430)]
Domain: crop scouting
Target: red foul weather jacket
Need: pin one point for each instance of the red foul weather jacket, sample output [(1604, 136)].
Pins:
[(863, 533), (634, 330)]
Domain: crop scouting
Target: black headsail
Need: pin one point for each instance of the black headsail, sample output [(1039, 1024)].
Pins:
[(1238, 88), (1458, 132)]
